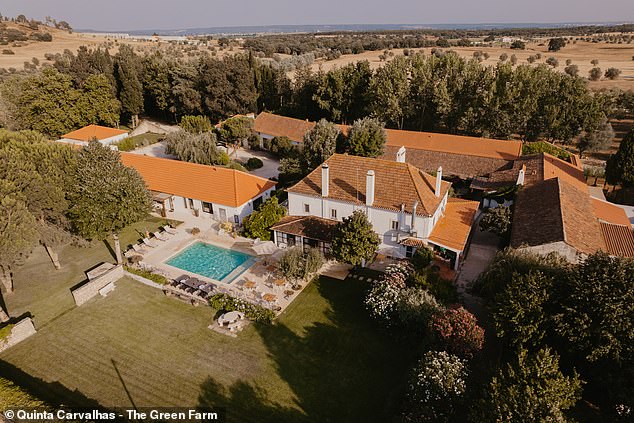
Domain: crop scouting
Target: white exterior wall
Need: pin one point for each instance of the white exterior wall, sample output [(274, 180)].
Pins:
[(113, 140), (381, 219), (270, 137), (240, 211)]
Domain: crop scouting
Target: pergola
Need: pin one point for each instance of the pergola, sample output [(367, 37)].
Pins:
[(163, 198)]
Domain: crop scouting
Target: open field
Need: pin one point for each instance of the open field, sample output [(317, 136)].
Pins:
[(45, 292), (609, 55), (324, 360)]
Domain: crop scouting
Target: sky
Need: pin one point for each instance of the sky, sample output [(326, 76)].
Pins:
[(110, 15)]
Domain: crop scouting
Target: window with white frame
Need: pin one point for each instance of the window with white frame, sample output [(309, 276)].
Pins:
[(306, 208), (395, 225), (333, 213)]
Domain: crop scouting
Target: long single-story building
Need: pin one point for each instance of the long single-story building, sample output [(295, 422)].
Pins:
[(103, 134), (217, 192), (407, 207), (461, 156)]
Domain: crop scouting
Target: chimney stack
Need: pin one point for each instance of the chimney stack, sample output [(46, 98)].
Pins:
[(325, 180), (521, 176), (438, 181), (400, 155), (369, 188), (413, 225)]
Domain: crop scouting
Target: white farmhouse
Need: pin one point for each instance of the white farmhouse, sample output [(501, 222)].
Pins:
[(408, 208), (103, 134), (216, 192)]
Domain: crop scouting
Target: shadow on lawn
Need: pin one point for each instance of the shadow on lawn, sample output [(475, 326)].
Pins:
[(53, 393), (344, 369)]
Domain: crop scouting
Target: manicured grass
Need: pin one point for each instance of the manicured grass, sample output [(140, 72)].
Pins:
[(323, 360), (45, 292)]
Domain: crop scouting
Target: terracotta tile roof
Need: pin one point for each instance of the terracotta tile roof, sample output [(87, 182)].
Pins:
[(212, 184), (295, 129), (413, 242), (94, 131), (307, 226), (277, 126), (619, 239), (460, 165), (396, 184), (539, 167), (452, 231), (456, 144), (610, 213), (552, 211)]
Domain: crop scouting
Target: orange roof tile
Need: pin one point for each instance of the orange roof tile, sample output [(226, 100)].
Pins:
[(457, 144), (568, 172), (295, 129), (94, 131), (453, 229), (211, 184), (610, 213), (396, 184), (619, 239)]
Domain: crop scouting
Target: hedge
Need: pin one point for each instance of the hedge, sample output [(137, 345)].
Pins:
[(254, 312), (154, 277)]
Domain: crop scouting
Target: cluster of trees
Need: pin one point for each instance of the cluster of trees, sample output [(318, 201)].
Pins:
[(620, 166), (438, 383), (51, 194), (447, 93), (546, 310), (300, 265)]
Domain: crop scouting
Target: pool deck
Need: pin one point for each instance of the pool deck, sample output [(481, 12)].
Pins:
[(259, 284)]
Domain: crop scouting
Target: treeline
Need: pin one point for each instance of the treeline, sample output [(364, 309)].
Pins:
[(439, 92), (358, 42)]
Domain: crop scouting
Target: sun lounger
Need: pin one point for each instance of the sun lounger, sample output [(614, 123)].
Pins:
[(169, 229), (149, 242), (137, 248), (160, 236)]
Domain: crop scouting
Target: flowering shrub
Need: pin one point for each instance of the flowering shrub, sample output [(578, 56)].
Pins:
[(458, 330), (415, 307), (381, 300), (437, 381)]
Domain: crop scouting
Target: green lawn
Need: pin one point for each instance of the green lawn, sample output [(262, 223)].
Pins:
[(45, 292), (323, 360)]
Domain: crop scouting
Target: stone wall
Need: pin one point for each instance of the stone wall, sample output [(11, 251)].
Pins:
[(85, 292), (19, 332)]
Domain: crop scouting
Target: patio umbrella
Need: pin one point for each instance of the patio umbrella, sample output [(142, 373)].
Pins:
[(265, 248)]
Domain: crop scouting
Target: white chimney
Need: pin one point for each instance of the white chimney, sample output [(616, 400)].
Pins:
[(438, 181), (400, 155), (413, 226), (325, 180), (369, 188), (520, 177)]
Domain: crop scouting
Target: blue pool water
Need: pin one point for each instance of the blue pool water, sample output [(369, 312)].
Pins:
[(210, 261)]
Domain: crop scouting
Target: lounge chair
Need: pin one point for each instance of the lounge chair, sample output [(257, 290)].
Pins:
[(169, 229), (149, 242), (160, 236), (137, 248), (182, 278)]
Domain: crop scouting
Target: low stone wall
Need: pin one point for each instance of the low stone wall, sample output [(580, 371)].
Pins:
[(101, 284), (19, 332)]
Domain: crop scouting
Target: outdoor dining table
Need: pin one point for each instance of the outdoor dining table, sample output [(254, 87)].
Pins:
[(249, 284), (280, 282), (193, 283), (232, 316), (269, 298)]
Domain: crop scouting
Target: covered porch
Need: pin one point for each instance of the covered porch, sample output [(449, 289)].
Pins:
[(304, 231), (162, 203)]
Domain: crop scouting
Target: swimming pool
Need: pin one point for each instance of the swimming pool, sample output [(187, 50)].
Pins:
[(211, 261)]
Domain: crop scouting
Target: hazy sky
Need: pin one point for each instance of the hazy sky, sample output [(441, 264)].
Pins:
[(172, 14)]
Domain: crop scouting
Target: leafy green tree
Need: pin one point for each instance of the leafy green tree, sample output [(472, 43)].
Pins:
[(195, 124), (195, 148), (422, 257), (594, 74), (556, 44), (612, 73), (320, 143), (531, 389), (598, 309), (236, 130), (366, 138), (157, 79), (354, 239), (258, 223), (390, 90), (18, 234), (127, 72), (297, 264), (343, 92), (497, 220), (107, 196), (599, 139), (521, 312), (620, 166), (518, 45), (96, 104)]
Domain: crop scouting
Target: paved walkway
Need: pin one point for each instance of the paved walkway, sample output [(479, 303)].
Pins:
[(154, 150), (271, 163)]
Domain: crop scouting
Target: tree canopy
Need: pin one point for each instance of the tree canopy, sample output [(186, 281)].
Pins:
[(195, 148), (354, 239), (258, 223), (320, 143), (366, 138), (620, 166)]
